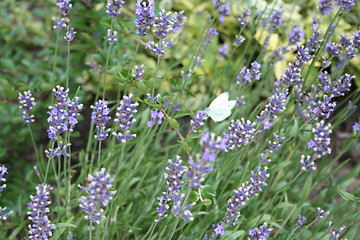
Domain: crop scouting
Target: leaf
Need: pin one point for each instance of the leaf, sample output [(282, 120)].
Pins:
[(194, 135), (207, 202), (185, 146), (182, 114), (208, 191), (194, 197), (66, 225), (173, 123), (151, 104), (347, 196)]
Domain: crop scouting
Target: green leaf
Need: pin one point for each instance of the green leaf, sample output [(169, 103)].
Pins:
[(67, 225), (182, 114), (185, 146), (173, 123), (194, 135), (141, 86), (208, 191), (207, 202), (194, 197), (347, 196), (151, 104)]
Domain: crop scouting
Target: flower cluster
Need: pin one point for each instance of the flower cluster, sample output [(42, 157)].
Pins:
[(276, 105), (247, 191), (307, 164), (138, 75), (70, 35), (27, 103), (261, 233), (99, 195), (320, 143), (198, 121), (321, 214), (296, 35), (275, 20), (41, 227), (100, 116), (3, 215), (223, 50), (246, 75), (113, 7), (273, 146), (244, 19), (63, 115), (198, 168), (124, 115), (58, 151), (64, 6), (156, 118), (145, 16), (174, 183), (211, 146), (178, 21), (111, 36), (240, 133), (335, 234), (300, 221)]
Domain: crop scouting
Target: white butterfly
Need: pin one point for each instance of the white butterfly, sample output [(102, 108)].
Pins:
[(220, 107)]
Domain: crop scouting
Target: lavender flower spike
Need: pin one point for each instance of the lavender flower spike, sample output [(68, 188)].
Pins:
[(100, 116), (27, 103), (240, 133), (211, 146), (300, 221), (70, 35), (320, 143), (99, 195), (3, 171), (198, 121), (145, 16), (113, 7), (124, 115), (41, 227), (156, 118), (261, 233)]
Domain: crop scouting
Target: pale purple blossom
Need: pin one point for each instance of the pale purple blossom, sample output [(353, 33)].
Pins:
[(27, 102)]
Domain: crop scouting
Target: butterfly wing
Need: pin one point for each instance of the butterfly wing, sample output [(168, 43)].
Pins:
[(220, 108)]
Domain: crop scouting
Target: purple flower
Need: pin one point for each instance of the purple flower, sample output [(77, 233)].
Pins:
[(100, 116), (211, 146), (325, 6), (27, 103), (335, 234), (346, 5), (247, 75), (174, 182), (223, 50), (243, 194), (238, 41), (198, 168), (156, 118), (342, 85), (321, 141), (145, 16), (334, 48), (275, 20), (111, 36), (178, 21), (224, 11), (113, 7), (59, 23), (244, 19), (351, 52), (163, 24), (307, 164), (69, 35), (208, 38), (125, 120), (198, 121), (41, 227), (356, 39), (240, 133), (58, 151), (351, 105), (139, 72), (99, 195), (356, 127), (65, 6), (3, 214), (157, 48), (273, 146), (240, 101), (63, 115), (261, 233), (276, 105), (321, 214), (300, 221), (296, 35), (219, 229), (324, 107), (314, 41)]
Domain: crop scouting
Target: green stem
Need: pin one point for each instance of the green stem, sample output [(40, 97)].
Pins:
[(107, 62), (156, 75), (67, 66), (33, 143), (54, 59), (99, 155)]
